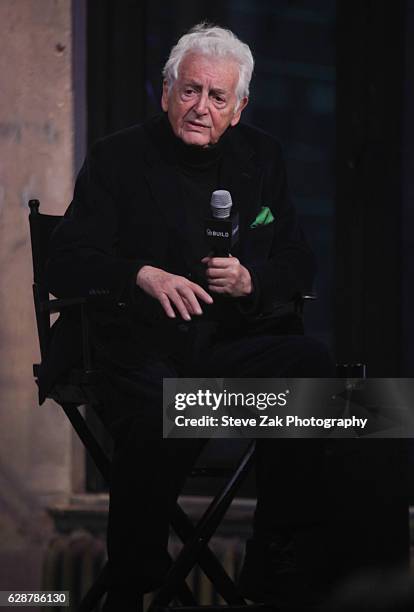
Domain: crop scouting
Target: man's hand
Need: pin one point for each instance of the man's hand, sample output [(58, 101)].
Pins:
[(228, 276), (173, 290)]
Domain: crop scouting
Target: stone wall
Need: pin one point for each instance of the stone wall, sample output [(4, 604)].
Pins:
[(36, 161)]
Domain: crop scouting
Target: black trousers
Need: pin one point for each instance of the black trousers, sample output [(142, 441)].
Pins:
[(309, 487)]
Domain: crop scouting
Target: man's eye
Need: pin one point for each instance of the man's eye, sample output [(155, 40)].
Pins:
[(188, 91), (219, 99)]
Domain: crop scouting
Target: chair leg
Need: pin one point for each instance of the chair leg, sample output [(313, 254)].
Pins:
[(206, 527), (92, 446), (208, 562), (195, 539)]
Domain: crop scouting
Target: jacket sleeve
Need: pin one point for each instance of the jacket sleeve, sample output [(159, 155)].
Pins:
[(83, 253), (289, 269)]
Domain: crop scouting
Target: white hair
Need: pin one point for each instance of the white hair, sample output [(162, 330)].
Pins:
[(210, 40)]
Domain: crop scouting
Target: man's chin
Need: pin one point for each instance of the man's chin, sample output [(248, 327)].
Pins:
[(195, 138)]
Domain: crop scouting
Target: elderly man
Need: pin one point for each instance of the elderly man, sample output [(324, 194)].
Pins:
[(134, 233)]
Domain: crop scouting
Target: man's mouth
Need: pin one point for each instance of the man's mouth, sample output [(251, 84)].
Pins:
[(197, 125)]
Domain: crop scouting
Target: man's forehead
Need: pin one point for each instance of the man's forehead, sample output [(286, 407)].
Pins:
[(220, 72)]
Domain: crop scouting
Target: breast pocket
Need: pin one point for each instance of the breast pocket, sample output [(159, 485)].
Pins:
[(259, 243)]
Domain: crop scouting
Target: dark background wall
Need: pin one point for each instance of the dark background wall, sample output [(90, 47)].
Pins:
[(407, 220), (368, 207)]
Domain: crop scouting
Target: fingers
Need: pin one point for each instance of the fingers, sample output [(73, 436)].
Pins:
[(215, 273), (223, 268), (220, 262), (201, 293), (175, 293), (190, 301), (228, 276), (220, 275), (180, 305), (224, 290), (183, 299), (218, 282), (165, 303), (221, 287)]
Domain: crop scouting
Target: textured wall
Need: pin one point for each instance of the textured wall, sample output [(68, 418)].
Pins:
[(36, 160)]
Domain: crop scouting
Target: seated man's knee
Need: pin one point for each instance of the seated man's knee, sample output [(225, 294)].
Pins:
[(311, 359)]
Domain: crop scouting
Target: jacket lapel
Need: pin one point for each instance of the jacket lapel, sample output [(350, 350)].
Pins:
[(240, 175)]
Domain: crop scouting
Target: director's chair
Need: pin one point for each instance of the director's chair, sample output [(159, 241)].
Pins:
[(75, 390)]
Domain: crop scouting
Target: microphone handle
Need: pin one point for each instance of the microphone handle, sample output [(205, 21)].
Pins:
[(220, 253)]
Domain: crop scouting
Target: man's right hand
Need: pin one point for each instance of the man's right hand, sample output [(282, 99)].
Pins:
[(173, 291)]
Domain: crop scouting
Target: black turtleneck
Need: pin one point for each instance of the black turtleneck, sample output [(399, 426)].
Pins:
[(199, 172)]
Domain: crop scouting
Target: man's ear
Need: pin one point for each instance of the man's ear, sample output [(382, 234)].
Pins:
[(242, 105), (164, 97)]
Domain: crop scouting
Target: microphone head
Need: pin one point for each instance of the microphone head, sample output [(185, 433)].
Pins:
[(221, 204)]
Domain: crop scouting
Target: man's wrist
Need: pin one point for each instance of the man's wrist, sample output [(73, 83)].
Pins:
[(249, 305), (142, 273), (247, 284)]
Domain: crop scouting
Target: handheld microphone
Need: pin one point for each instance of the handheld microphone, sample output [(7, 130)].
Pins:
[(221, 229)]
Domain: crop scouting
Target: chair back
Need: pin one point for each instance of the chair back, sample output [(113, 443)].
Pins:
[(41, 228)]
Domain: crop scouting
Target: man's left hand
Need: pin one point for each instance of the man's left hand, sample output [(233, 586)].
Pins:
[(228, 276)]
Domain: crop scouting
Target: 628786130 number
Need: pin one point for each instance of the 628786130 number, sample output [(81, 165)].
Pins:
[(31, 598)]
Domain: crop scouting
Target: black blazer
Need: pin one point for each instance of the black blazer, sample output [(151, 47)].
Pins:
[(127, 212)]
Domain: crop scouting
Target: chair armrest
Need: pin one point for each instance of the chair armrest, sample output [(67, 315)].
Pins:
[(58, 304), (308, 296), (294, 306), (54, 305)]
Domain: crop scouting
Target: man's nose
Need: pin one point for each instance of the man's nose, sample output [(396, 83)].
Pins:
[(201, 107)]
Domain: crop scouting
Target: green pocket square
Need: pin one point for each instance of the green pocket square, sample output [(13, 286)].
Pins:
[(263, 218)]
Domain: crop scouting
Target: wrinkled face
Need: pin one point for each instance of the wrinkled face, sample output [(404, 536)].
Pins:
[(202, 101)]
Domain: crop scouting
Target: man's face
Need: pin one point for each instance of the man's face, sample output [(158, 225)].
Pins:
[(202, 102)]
